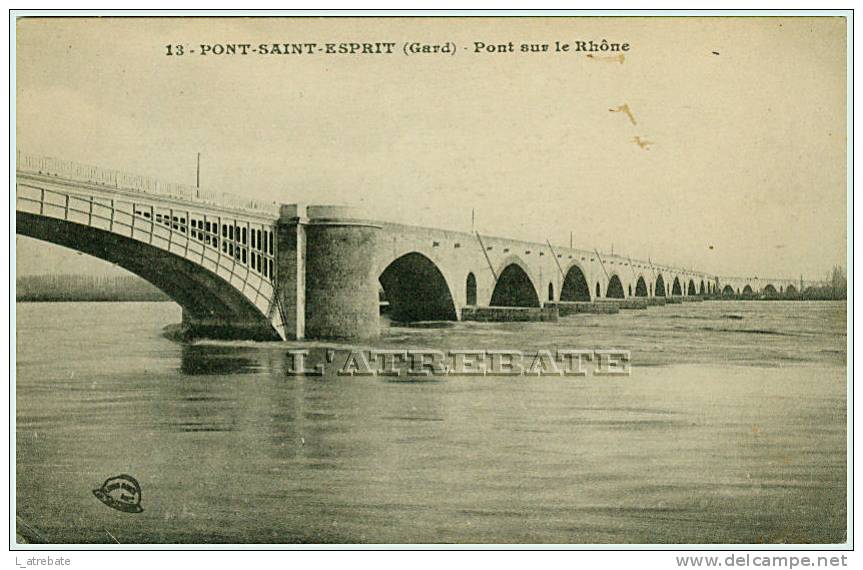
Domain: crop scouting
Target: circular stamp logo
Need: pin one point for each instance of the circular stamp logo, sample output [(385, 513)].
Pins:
[(122, 492)]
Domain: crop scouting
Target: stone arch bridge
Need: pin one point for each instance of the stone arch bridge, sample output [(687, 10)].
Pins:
[(241, 268)]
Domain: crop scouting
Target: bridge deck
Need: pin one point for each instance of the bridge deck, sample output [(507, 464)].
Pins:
[(124, 181)]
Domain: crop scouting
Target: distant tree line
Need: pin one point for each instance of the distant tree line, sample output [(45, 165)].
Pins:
[(835, 289), (53, 288)]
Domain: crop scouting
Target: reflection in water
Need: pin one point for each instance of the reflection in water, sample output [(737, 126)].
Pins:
[(729, 430), (199, 359)]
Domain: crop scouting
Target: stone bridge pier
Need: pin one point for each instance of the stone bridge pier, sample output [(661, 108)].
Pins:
[(328, 284)]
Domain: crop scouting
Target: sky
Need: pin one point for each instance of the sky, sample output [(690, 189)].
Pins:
[(746, 174)]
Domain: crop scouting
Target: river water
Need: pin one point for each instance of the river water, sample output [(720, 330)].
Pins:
[(731, 428)]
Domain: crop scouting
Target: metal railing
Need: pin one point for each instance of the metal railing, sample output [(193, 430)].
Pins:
[(257, 287), (69, 170)]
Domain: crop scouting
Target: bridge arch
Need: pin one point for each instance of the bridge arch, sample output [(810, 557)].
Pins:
[(690, 289), (470, 290), (514, 286), (417, 290), (575, 287), (747, 290), (641, 287), (791, 290), (223, 312), (770, 290), (701, 289), (728, 291), (660, 286), (675, 288), (615, 288)]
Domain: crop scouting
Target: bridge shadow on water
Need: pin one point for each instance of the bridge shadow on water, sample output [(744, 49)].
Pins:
[(199, 360), (201, 357), (420, 324), (211, 357)]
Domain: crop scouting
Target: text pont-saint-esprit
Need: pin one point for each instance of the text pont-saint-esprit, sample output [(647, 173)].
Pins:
[(390, 48)]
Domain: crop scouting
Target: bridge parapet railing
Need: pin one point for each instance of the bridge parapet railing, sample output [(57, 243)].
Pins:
[(48, 166)]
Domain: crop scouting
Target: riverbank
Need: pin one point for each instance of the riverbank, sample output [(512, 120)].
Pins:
[(85, 288)]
